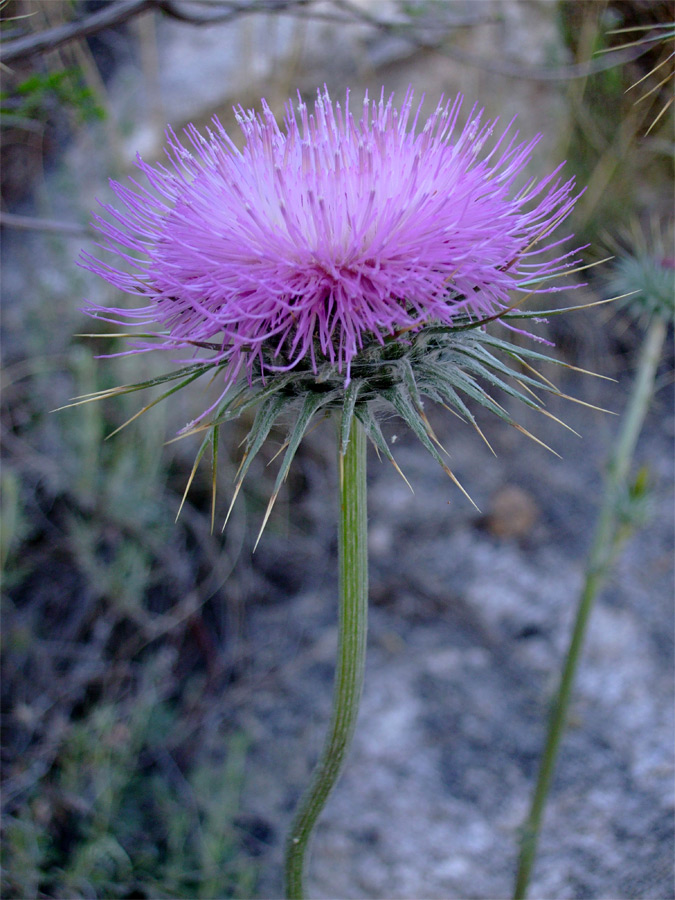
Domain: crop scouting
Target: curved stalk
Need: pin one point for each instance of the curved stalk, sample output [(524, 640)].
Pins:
[(606, 541), (351, 656)]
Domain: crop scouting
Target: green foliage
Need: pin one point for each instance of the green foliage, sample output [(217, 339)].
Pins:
[(38, 96), (605, 121), (116, 816), (123, 778)]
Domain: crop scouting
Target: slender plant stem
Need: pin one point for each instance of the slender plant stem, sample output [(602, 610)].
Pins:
[(604, 545), (351, 656)]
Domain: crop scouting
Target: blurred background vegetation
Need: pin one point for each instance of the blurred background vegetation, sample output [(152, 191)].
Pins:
[(126, 652)]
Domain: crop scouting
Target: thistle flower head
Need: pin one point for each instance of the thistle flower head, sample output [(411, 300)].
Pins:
[(331, 232), (643, 273), (338, 259)]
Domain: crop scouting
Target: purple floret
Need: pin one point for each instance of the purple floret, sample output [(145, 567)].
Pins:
[(330, 233)]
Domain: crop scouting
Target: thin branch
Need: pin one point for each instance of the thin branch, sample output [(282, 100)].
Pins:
[(234, 9), (28, 223), (121, 11), (51, 38), (544, 73), (432, 25)]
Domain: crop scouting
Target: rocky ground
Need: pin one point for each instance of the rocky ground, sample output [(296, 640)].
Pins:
[(470, 617)]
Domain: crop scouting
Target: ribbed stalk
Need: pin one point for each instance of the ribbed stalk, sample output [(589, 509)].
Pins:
[(351, 656), (605, 543)]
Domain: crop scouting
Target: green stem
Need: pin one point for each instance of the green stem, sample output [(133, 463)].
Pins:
[(599, 560), (351, 656)]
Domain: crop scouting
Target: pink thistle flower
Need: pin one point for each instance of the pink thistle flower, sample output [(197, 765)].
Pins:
[(329, 235)]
